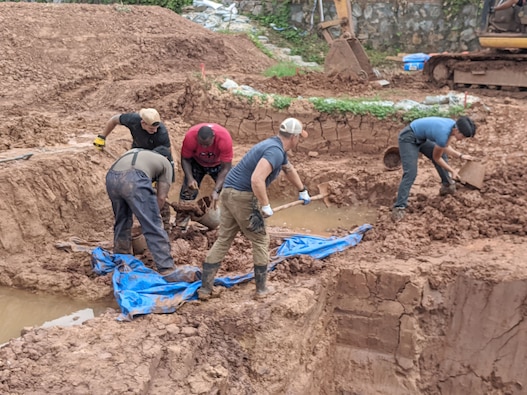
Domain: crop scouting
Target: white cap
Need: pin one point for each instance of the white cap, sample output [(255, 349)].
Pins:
[(293, 126)]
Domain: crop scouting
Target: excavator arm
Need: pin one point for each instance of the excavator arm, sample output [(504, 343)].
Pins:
[(346, 56)]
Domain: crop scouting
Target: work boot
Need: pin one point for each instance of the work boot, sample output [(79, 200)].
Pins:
[(449, 189), (207, 280), (260, 277), (398, 214)]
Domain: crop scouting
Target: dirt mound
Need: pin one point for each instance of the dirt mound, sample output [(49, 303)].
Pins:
[(433, 304)]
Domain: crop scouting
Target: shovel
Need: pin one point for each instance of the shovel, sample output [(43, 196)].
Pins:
[(20, 157), (323, 193), (472, 174)]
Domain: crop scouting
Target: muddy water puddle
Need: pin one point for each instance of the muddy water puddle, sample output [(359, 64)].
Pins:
[(19, 309), (318, 219)]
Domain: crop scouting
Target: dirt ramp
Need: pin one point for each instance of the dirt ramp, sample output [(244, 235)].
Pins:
[(48, 50)]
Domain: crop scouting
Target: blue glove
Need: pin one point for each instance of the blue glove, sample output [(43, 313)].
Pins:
[(304, 195)]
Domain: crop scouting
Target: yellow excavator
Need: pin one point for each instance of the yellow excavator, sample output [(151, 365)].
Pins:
[(346, 56), (502, 64)]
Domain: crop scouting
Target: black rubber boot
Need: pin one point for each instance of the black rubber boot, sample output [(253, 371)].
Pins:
[(207, 280), (260, 277)]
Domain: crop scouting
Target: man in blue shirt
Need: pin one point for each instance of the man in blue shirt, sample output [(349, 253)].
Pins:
[(246, 185), (431, 136)]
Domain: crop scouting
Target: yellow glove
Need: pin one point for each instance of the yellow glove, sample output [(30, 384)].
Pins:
[(100, 142)]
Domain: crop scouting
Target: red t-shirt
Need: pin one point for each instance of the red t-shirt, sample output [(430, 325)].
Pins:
[(212, 156)]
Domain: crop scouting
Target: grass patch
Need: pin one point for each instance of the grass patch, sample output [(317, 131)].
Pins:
[(258, 44), (283, 69), (378, 109), (433, 111)]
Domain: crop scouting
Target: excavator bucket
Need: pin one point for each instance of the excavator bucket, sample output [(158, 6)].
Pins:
[(347, 57)]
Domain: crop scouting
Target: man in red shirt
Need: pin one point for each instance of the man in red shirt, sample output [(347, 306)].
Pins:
[(206, 149)]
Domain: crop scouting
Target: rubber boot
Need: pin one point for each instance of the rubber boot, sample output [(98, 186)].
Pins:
[(207, 280), (260, 277)]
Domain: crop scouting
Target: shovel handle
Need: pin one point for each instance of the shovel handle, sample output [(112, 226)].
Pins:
[(297, 202), (20, 157)]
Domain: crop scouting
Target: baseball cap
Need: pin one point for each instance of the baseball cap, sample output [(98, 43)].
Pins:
[(293, 126), (150, 116), (466, 126)]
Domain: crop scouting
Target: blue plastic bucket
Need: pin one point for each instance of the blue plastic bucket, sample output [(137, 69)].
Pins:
[(415, 61), (412, 66)]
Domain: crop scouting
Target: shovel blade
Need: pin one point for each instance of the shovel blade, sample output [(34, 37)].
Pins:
[(472, 173)]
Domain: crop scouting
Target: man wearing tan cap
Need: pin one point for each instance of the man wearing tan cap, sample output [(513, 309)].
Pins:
[(148, 132), (244, 194), (145, 126)]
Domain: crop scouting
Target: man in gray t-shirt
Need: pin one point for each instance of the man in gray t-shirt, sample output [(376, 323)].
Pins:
[(245, 190), (129, 186)]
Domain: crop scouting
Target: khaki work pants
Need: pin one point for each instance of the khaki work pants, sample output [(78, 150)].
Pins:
[(235, 209)]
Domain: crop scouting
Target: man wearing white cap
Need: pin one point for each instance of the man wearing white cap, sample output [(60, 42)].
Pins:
[(245, 188)]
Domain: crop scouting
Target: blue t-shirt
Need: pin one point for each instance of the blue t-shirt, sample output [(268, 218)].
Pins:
[(239, 177), (435, 129)]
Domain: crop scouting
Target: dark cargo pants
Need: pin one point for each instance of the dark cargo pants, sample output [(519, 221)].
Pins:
[(131, 192)]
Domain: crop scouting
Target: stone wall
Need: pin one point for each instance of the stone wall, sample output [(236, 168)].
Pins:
[(418, 26)]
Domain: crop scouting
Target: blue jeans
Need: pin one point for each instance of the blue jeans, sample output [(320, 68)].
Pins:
[(131, 192), (198, 172), (409, 148)]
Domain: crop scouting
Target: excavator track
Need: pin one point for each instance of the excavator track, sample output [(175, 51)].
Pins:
[(485, 69)]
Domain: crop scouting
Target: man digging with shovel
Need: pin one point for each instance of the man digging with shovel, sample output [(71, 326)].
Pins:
[(244, 203)]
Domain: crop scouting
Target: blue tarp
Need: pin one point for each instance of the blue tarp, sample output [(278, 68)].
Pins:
[(140, 290)]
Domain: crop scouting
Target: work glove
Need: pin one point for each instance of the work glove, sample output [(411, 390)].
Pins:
[(256, 221), (304, 195), (267, 211), (100, 142)]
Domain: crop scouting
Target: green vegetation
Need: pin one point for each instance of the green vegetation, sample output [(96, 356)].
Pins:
[(258, 44), (433, 111), (281, 102), (310, 46), (283, 69), (354, 106), (452, 8), (375, 107)]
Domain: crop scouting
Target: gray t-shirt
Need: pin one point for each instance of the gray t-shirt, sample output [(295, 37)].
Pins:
[(239, 177), (154, 165)]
